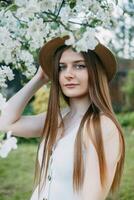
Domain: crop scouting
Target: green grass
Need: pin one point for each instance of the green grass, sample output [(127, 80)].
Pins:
[(16, 173), (127, 187), (126, 191)]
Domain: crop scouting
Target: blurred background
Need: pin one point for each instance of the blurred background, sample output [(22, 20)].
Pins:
[(16, 171)]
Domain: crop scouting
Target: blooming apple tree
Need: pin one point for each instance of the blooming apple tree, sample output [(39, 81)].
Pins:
[(26, 25)]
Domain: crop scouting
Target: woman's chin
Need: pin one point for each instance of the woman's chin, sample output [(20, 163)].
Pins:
[(73, 95)]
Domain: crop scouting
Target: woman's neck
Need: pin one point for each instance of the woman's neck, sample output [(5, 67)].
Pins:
[(79, 106)]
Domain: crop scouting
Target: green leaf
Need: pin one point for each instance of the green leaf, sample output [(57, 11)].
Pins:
[(54, 25), (12, 7), (83, 29), (1, 136), (72, 3), (116, 1)]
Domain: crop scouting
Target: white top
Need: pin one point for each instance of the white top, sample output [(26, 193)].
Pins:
[(59, 184)]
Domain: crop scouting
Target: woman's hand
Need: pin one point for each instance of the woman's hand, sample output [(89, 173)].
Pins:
[(41, 75)]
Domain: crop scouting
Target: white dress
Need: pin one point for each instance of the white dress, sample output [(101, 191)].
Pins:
[(59, 184)]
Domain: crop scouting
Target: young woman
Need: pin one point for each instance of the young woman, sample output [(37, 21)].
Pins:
[(81, 153)]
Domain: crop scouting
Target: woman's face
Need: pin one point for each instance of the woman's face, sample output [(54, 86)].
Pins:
[(73, 74)]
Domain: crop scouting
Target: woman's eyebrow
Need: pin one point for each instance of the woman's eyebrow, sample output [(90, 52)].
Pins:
[(76, 61)]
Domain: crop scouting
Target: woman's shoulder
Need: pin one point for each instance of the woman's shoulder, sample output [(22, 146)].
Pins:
[(111, 139), (110, 135), (109, 129)]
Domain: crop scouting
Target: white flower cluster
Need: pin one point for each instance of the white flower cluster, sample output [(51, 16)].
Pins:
[(85, 42), (124, 33), (7, 145), (26, 25), (5, 73)]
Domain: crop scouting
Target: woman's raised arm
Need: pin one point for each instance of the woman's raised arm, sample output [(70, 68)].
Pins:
[(11, 116)]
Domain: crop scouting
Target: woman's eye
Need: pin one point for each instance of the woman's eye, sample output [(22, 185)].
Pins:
[(80, 66), (61, 67)]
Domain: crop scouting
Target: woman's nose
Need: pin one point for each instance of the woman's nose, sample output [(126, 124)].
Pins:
[(69, 72)]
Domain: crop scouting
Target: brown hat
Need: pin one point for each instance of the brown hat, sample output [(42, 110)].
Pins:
[(47, 52)]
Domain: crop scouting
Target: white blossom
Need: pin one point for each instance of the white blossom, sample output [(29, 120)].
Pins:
[(47, 5), (4, 35), (111, 7), (25, 56), (5, 73), (8, 72), (27, 9), (7, 145), (10, 21), (65, 14), (2, 81), (35, 33), (21, 3), (88, 41), (31, 69), (71, 39)]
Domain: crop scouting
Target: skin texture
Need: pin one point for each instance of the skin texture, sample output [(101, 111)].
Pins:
[(72, 70)]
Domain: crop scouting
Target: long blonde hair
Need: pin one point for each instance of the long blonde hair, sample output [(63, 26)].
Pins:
[(100, 102)]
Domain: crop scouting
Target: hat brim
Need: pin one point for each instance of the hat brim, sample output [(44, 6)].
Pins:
[(46, 56)]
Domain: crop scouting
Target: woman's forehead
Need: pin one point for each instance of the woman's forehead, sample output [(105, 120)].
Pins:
[(69, 55)]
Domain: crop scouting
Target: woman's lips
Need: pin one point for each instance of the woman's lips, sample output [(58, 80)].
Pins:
[(71, 85)]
